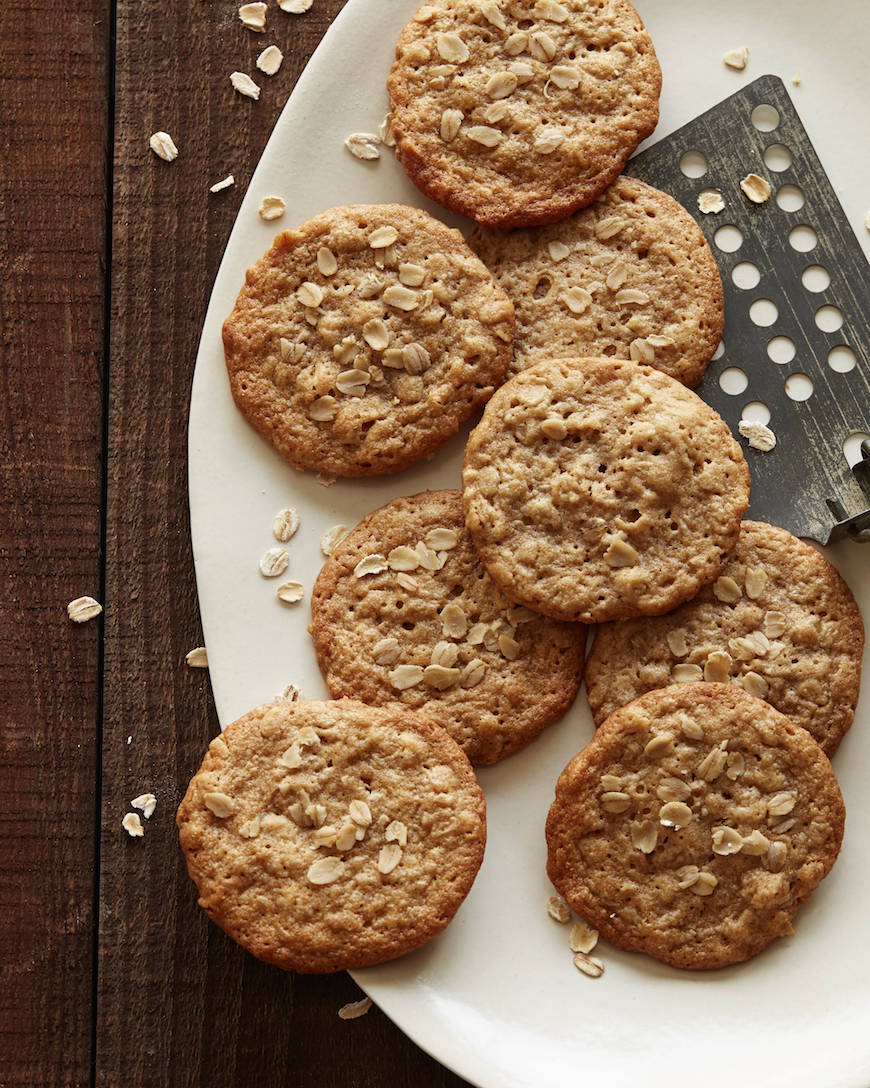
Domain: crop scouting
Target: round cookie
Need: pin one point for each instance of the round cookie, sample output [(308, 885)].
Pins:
[(780, 620), (361, 341), (329, 836), (443, 640), (694, 824), (596, 490), (631, 276), (520, 113)]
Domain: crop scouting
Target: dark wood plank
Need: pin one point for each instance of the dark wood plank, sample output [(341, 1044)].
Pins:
[(53, 118), (179, 1004)]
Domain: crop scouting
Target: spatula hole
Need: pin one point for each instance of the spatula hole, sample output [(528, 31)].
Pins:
[(728, 238), (745, 275), (816, 278), (733, 381), (829, 318), (694, 164), (763, 312), (799, 386), (781, 350), (790, 198), (777, 157), (841, 359), (852, 447), (803, 238), (755, 411), (765, 118)]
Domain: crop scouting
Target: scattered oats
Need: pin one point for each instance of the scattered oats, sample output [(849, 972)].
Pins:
[(245, 85), (558, 910), (509, 647), (609, 227), (658, 746), (611, 782), (454, 622), (291, 758), (389, 858), (290, 592), (756, 188), (781, 826), (774, 624), (548, 140), (492, 13), (641, 351), (686, 876), (385, 131), (403, 558), (309, 294), (755, 684), (450, 123), (717, 668), (253, 16), (376, 334), (355, 1009), (326, 263), (396, 831), (659, 341), (407, 582), (676, 814), (644, 836), (386, 651), (737, 58), (325, 870), (583, 937), (285, 524), (692, 729), (274, 562), (713, 763), (444, 653), (83, 609), (620, 553), (541, 45), (295, 7), (429, 560), (676, 641), (565, 76), (218, 186), (441, 539), (759, 435), (615, 801), (589, 965), (552, 10), (289, 350), (485, 135), (197, 658), (630, 296), (686, 674), (735, 766), (290, 694), (755, 580), (727, 590), (727, 840), (401, 297), (705, 884), (373, 563), (776, 856), (554, 428), (796, 80), (270, 60), (782, 803), (746, 647), (577, 299), (755, 844), (495, 112), (250, 829), (219, 804), (381, 237), (441, 678), (147, 802), (363, 145), (673, 789), (323, 409), (133, 826), (501, 84), (473, 673), (452, 48), (163, 146), (523, 71), (332, 538), (477, 634), (711, 201), (352, 383), (360, 813), (415, 357), (412, 275), (516, 43), (406, 676), (558, 251), (617, 276)]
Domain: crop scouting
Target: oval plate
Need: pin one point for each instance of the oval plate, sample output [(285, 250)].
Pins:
[(496, 997)]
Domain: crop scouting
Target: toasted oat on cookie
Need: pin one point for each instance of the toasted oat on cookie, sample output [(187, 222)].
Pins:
[(694, 824), (516, 113), (404, 611), (363, 339), (779, 621), (596, 490), (324, 836), (630, 276)]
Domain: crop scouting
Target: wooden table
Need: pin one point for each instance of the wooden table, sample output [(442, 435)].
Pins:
[(111, 975)]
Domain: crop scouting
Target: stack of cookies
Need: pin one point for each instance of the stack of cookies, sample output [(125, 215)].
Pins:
[(451, 626)]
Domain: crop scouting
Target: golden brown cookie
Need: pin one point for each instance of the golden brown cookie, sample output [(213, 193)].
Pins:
[(631, 276), (596, 490), (694, 824), (330, 836), (521, 112), (780, 621), (361, 341), (403, 610)]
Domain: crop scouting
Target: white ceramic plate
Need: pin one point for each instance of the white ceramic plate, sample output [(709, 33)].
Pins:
[(496, 997)]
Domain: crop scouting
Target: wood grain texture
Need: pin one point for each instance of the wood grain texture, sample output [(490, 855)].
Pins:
[(178, 1003), (53, 77)]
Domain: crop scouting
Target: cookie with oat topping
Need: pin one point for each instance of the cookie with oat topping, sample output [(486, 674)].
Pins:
[(362, 340), (694, 824), (780, 621), (520, 113), (325, 836), (596, 490), (630, 276), (404, 611)]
